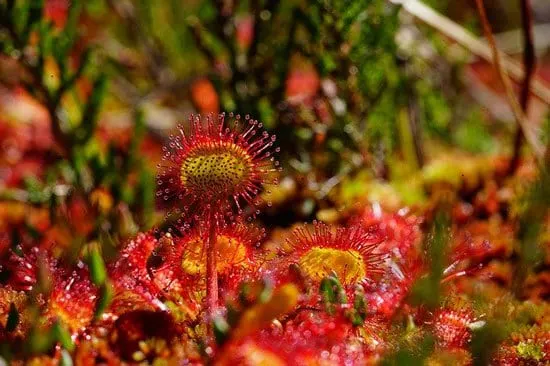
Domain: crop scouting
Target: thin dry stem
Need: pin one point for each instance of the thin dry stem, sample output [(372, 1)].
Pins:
[(529, 133), (467, 40), (529, 63)]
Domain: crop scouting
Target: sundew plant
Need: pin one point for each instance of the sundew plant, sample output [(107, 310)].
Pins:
[(274, 182)]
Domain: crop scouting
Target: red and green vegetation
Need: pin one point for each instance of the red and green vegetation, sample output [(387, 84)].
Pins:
[(264, 182)]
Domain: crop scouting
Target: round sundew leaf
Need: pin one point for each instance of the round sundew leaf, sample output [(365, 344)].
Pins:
[(218, 163), (319, 263), (344, 252)]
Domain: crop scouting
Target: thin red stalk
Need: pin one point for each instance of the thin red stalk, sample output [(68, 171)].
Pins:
[(211, 272), (529, 62)]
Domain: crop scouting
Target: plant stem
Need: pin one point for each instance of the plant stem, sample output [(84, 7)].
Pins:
[(529, 61), (413, 111), (211, 271), (531, 136), (476, 46)]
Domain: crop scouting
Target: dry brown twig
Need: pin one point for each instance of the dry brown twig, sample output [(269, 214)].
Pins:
[(529, 64), (467, 40), (504, 64), (528, 132)]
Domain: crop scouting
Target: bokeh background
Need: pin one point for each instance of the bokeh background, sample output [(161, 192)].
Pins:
[(372, 101)]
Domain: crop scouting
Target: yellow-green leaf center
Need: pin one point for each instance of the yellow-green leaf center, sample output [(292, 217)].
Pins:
[(319, 263), (216, 171)]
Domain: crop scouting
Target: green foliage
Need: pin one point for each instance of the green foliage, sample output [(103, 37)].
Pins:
[(81, 167), (54, 64), (63, 336), (66, 359), (41, 341), (437, 112), (358, 50), (486, 339), (106, 294), (332, 293), (427, 290), (411, 354), (221, 330), (97, 267), (530, 351), (536, 206), (472, 135)]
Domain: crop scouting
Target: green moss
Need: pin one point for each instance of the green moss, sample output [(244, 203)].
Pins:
[(530, 351)]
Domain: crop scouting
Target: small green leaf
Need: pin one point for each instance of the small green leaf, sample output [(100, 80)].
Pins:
[(327, 291), (427, 289), (266, 293), (359, 313), (332, 292), (221, 329), (35, 12), (63, 336), (89, 117), (97, 267), (105, 298), (66, 359)]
